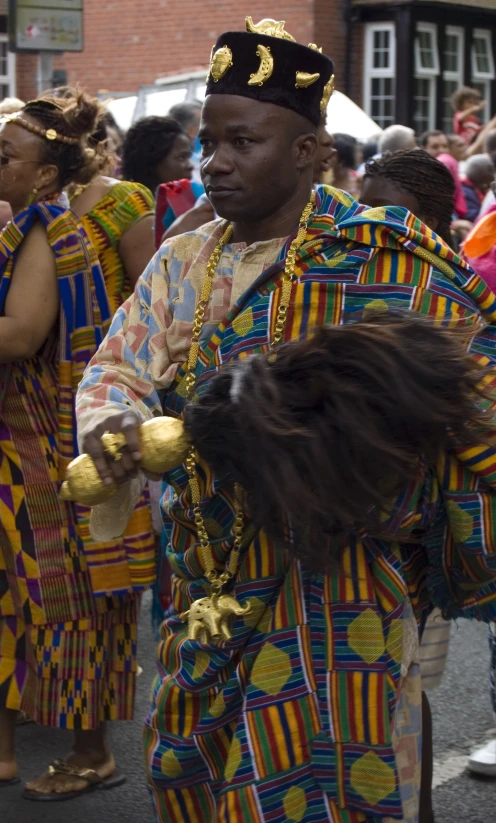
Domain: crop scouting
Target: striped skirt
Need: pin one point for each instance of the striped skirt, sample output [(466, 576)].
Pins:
[(72, 675)]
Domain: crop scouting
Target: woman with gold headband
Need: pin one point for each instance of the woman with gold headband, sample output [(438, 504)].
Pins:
[(66, 656)]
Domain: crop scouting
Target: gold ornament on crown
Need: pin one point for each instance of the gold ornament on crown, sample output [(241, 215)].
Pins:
[(328, 90), (271, 28), (220, 61)]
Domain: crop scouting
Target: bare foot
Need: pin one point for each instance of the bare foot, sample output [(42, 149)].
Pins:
[(8, 769), (61, 783)]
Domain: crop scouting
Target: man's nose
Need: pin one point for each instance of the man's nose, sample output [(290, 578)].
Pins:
[(219, 162)]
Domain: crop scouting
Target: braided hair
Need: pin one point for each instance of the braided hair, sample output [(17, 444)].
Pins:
[(428, 180), (146, 144), (76, 118)]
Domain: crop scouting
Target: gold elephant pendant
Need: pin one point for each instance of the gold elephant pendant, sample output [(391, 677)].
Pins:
[(210, 618)]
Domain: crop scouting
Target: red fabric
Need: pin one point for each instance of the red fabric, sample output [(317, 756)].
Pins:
[(460, 203), (179, 197), (468, 128)]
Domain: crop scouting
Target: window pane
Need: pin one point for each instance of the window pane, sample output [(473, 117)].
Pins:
[(381, 49), (481, 46), (449, 88), (4, 53), (382, 101), (452, 53), (426, 49), (424, 91)]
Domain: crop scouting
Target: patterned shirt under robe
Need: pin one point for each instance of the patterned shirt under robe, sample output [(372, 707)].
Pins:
[(308, 713)]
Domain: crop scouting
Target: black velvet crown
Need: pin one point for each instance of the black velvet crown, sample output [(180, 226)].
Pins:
[(266, 64)]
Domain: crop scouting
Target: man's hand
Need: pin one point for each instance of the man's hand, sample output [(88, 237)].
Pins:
[(126, 467)]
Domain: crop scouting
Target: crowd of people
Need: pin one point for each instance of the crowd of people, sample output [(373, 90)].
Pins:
[(326, 333)]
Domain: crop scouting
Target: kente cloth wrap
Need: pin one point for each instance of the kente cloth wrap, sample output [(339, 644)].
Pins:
[(49, 568), (292, 719), (121, 207)]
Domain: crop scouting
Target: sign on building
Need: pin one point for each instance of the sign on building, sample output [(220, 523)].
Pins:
[(46, 25)]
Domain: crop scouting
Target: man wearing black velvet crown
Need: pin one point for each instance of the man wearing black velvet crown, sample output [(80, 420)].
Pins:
[(289, 684)]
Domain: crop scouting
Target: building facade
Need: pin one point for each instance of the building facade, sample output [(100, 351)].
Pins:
[(401, 61), (414, 55)]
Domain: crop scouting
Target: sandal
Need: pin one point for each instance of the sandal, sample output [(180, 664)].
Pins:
[(90, 775)]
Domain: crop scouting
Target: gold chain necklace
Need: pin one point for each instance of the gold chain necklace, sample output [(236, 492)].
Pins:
[(209, 618)]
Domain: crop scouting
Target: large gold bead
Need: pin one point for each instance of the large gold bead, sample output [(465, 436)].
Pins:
[(164, 444)]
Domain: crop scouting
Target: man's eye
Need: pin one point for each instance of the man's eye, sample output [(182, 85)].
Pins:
[(204, 143), (242, 141)]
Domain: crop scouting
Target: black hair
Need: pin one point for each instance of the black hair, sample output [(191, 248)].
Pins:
[(424, 138), (323, 437), (369, 150), (146, 144), (185, 113), (430, 182), (77, 118), (345, 146)]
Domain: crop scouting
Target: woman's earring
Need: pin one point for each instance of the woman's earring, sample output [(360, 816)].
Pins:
[(32, 197)]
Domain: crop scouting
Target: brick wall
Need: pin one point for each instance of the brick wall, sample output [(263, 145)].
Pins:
[(127, 44)]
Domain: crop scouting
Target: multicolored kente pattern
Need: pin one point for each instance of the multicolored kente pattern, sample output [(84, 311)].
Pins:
[(45, 579), (293, 718), (106, 223)]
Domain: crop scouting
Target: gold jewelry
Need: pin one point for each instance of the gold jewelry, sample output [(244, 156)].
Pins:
[(209, 618), (32, 197), (48, 134)]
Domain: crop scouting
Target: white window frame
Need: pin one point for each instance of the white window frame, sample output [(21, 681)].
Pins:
[(420, 71), (430, 74), (483, 34), (459, 33), (9, 79), (371, 73)]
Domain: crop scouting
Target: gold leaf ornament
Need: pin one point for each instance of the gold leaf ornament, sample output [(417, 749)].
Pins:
[(315, 47), (271, 28), (328, 90), (220, 61), (304, 79), (265, 68)]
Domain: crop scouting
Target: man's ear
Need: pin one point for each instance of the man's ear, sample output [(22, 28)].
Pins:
[(305, 148)]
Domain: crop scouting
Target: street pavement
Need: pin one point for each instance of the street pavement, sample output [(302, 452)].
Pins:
[(462, 720)]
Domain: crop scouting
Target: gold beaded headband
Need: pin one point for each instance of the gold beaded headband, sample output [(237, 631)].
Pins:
[(48, 134)]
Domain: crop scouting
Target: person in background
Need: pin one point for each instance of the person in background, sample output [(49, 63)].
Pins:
[(188, 116), (414, 180), (343, 164), (434, 143), (479, 175), (118, 217), (9, 105), (451, 163), (467, 104), (156, 150), (67, 656), (397, 138), (457, 147)]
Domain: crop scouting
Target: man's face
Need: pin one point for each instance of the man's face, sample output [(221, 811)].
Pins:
[(437, 144), (250, 165)]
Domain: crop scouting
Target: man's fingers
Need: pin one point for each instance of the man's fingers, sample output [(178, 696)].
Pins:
[(129, 428), (93, 447)]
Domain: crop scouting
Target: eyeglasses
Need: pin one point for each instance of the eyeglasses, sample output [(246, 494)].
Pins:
[(8, 161)]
